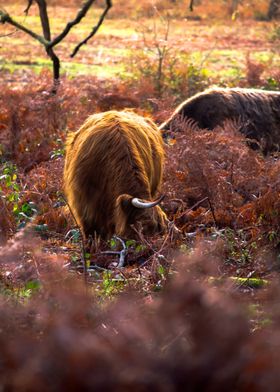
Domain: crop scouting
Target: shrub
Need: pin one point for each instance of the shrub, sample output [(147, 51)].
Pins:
[(158, 64)]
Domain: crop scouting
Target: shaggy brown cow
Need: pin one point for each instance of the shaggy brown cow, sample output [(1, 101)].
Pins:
[(113, 169), (257, 112)]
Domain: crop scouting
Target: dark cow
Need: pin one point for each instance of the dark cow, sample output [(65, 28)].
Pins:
[(256, 111), (113, 170)]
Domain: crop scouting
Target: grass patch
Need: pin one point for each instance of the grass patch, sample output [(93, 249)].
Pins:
[(70, 68)]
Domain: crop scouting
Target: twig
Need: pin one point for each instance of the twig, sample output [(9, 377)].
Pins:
[(192, 207), (180, 208), (96, 268), (122, 254), (5, 18), (196, 205), (36, 267), (30, 2), (244, 282), (9, 34), (80, 15), (208, 54), (16, 30), (94, 30), (171, 229), (82, 241), (212, 211)]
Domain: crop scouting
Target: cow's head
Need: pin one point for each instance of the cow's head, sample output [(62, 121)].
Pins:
[(142, 214)]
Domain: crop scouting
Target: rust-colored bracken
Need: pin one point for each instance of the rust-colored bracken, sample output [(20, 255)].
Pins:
[(114, 160)]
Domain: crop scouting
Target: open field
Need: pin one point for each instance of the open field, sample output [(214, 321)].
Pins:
[(221, 46), (188, 306)]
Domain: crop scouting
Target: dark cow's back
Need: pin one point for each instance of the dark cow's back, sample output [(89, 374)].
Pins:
[(257, 111)]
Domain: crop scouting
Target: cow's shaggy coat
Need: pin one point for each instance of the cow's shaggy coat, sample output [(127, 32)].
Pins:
[(113, 158), (257, 113)]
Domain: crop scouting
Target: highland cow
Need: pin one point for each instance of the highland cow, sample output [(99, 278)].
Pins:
[(256, 111), (113, 170)]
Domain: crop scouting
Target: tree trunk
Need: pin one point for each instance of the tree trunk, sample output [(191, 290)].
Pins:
[(42, 5)]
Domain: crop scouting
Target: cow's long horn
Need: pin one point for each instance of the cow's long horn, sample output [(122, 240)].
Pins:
[(138, 203)]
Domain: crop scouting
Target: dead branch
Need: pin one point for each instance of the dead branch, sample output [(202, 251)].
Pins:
[(122, 254), (192, 207), (16, 30), (9, 34), (30, 2), (94, 30), (80, 15), (191, 5), (5, 18), (212, 211)]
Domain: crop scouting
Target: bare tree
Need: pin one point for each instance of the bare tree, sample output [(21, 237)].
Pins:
[(158, 46), (46, 39)]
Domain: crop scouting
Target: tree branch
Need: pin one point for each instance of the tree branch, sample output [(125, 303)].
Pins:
[(30, 2), (9, 34), (80, 15), (5, 18), (191, 5), (94, 30), (42, 5)]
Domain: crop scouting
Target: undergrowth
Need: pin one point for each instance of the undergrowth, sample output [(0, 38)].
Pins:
[(63, 337), (230, 186), (185, 311), (161, 68)]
